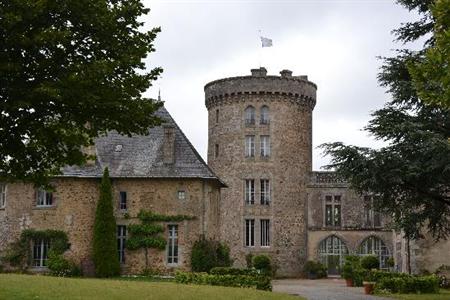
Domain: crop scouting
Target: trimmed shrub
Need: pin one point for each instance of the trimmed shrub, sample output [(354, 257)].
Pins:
[(104, 250), (370, 262), (232, 271), (260, 282), (315, 269), (207, 254), (409, 284), (352, 270), (248, 260), (59, 266), (263, 264)]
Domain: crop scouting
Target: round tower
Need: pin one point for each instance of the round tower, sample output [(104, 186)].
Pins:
[(260, 145)]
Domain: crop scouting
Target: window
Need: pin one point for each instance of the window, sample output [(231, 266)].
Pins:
[(123, 200), (265, 145), (216, 151), (249, 232), (332, 252), (372, 217), (249, 191), (121, 242), (265, 232), (40, 252), (264, 115), (375, 246), (118, 148), (217, 116), (250, 115), (2, 195), (172, 255), (265, 191), (44, 198), (249, 146), (181, 195), (333, 210)]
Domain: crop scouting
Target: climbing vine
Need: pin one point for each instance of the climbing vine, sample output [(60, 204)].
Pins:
[(148, 235)]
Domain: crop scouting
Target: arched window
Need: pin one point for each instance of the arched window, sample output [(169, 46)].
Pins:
[(250, 115), (264, 115), (332, 251), (375, 246)]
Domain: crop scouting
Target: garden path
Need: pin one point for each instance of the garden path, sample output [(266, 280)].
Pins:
[(322, 289)]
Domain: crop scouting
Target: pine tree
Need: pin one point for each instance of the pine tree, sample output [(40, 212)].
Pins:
[(105, 252)]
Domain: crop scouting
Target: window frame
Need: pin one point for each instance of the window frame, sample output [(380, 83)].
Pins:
[(40, 258), (123, 200), (249, 146), (250, 115), (264, 146), (183, 193), (265, 234), (249, 191), (47, 198), (173, 247), (265, 190), (121, 236), (249, 233), (332, 210)]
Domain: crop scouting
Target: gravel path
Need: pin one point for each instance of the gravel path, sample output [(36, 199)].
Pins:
[(322, 289)]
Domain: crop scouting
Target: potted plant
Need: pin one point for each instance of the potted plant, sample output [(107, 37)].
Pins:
[(369, 283), (315, 270), (347, 273)]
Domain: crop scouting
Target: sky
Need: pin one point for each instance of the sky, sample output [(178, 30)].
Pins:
[(336, 43)]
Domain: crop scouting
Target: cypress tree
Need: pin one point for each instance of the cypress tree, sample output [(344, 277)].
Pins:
[(105, 252)]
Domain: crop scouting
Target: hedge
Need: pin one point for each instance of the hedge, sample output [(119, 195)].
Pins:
[(232, 271), (259, 282), (409, 284)]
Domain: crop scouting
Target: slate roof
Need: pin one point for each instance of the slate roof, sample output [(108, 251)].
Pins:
[(142, 156)]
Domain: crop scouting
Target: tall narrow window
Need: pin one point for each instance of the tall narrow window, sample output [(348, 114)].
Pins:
[(249, 146), (2, 195), (44, 198), (333, 215), (172, 254), (372, 217), (121, 242), (265, 232), (265, 191), (250, 115), (40, 252), (265, 145), (249, 191), (216, 151), (249, 232), (264, 115), (123, 200), (217, 116)]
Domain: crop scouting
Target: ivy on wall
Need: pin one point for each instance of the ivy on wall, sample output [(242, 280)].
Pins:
[(148, 235)]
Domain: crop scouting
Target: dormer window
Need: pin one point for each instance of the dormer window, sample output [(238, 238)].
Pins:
[(250, 115), (118, 148)]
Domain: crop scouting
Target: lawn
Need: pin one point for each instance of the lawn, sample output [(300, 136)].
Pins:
[(443, 295), (14, 286)]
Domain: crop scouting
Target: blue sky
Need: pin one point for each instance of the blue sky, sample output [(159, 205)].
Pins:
[(335, 43)]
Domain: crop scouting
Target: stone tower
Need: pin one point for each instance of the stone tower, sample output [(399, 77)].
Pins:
[(259, 144)]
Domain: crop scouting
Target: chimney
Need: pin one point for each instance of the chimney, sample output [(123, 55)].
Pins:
[(286, 73), (261, 72), (169, 144)]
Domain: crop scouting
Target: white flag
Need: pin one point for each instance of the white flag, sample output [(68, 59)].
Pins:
[(266, 42)]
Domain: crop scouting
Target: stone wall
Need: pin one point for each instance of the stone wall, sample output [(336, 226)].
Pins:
[(74, 212), (290, 101)]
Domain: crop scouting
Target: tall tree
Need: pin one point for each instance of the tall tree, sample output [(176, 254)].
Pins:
[(410, 177), (105, 256), (69, 72)]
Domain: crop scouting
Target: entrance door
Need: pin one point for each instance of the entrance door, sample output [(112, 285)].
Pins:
[(333, 264)]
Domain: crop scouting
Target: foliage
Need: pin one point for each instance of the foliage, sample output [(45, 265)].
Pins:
[(352, 270), (263, 264), (431, 73), (377, 275), (104, 246), (410, 177), (232, 271), (147, 235), (18, 253), (249, 260), (316, 268), (370, 262), (59, 266), (207, 254), (409, 284), (69, 72), (390, 262), (260, 282)]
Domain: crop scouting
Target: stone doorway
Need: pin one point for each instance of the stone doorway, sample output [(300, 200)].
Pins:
[(332, 251)]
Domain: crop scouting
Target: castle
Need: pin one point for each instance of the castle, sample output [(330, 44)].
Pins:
[(258, 193)]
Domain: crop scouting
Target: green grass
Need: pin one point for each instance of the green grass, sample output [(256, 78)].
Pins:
[(14, 286), (443, 295)]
